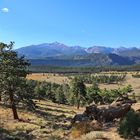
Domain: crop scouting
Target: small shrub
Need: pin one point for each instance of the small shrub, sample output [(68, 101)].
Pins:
[(85, 127), (130, 124)]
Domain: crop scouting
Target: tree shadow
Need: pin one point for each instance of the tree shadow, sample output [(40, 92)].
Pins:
[(55, 110), (3, 133), (55, 106), (53, 118), (11, 135), (48, 116), (53, 121)]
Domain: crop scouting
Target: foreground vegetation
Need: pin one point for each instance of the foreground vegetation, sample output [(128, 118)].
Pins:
[(129, 126)]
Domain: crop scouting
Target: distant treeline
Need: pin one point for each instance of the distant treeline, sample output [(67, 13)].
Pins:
[(53, 69), (101, 78)]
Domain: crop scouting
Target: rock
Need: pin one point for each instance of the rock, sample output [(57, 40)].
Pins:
[(80, 117), (111, 113), (105, 113)]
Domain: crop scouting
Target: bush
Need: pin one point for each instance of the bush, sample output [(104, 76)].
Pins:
[(84, 127), (129, 126)]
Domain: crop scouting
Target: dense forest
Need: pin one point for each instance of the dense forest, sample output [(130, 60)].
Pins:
[(54, 69)]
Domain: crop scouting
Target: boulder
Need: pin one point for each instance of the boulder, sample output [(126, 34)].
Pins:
[(106, 113), (79, 118)]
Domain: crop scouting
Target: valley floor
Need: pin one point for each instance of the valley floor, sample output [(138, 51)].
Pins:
[(61, 79)]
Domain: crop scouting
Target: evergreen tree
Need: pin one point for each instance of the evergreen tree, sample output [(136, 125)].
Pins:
[(49, 93), (93, 94), (59, 95), (13, 71), (78, 91)]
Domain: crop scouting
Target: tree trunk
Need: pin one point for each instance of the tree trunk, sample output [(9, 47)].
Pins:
[(13, 107), (78, 104)]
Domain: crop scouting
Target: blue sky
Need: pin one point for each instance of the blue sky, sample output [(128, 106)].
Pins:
[(111, 23)]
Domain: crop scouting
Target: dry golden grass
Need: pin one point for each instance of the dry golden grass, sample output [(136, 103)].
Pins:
[(101, 135), (54, 78), (52, 121), (134, 82)]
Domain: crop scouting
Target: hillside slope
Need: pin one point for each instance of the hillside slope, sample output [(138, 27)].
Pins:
[(50, 121)]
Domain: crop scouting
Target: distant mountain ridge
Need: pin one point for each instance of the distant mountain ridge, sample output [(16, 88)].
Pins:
[(50, 50), (63, 55)]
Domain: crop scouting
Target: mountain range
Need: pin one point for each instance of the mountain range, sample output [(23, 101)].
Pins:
[(59, 54)]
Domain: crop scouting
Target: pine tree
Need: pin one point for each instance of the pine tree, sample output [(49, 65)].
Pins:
[(59, 95), (13, 71), (93, 94), (78, 91)]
